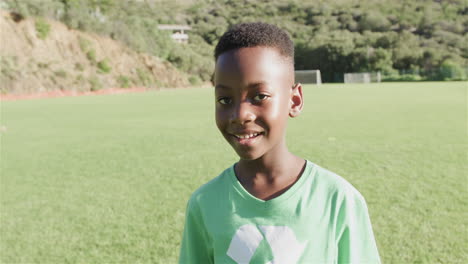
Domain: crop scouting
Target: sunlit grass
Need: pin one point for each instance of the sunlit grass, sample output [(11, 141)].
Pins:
[(105, 179)]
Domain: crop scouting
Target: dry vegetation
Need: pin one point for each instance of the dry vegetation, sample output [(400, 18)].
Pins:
[(40, 55)]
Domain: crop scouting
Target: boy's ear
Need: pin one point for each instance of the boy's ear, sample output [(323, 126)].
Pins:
[(297, 101)]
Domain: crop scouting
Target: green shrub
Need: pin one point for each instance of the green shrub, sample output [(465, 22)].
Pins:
[(79, 66), (61, 74), (79, 79), (375, 21), (402, 78), (42, 28), (43, 65), (91, 55), (144, 77), (95, 83), (85, 44), (194, 80), (52, 78), (103, 66), (124, 81), (8, 67), (451, 71)]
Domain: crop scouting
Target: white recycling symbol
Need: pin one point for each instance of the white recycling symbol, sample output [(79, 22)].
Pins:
[(282, 241)]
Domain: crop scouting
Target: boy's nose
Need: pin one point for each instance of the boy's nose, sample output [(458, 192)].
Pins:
[(242, 113)]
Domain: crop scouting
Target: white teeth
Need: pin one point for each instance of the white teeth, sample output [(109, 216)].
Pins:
[(247, 136)]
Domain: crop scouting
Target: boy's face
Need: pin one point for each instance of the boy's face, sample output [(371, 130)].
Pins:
[(254, 98)]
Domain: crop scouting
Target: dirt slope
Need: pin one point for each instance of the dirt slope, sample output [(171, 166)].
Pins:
[(70, 60)]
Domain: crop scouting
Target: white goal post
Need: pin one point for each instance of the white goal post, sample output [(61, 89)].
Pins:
[(308, 76), (362, 77)]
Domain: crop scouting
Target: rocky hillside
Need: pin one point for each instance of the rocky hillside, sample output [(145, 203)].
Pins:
[(39, 55)]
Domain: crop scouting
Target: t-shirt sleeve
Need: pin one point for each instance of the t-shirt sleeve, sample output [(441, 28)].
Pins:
[(354, 237), (196, 246)]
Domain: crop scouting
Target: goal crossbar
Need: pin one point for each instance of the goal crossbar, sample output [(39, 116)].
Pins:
[(308, 76)]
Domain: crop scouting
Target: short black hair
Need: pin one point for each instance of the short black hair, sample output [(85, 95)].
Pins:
[(255, 34)]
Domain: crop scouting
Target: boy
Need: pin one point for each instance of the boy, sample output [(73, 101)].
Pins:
[(271, 206)]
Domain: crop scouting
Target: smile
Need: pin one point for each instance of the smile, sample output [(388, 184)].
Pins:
[(246, 136), (247, 139)]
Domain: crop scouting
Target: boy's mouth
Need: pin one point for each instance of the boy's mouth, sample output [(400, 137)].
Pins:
[(246, 138)]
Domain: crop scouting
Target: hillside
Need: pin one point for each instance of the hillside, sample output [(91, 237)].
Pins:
[(40, 55), (405, 40)]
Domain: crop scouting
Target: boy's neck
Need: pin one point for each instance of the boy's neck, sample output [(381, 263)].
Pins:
[(268, 166), (271, 175)]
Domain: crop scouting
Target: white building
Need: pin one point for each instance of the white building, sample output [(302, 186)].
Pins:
[(178, 32)]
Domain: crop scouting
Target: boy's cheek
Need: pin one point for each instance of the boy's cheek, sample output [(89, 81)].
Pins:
[(219, 122), (221, 115)]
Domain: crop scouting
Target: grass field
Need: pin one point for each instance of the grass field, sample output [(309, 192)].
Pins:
[(105, 179)]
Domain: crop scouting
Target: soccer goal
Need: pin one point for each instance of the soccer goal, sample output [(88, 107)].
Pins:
[(308, 76), (362, 77)]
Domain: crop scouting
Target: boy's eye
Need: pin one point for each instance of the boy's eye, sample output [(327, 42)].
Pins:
[(260, 97), (224, 100)]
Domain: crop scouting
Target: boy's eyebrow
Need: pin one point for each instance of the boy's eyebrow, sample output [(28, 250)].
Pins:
[(256, 84), (220, 86), (251, 85)]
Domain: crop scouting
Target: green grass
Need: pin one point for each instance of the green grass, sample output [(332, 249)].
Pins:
[(105, 179)]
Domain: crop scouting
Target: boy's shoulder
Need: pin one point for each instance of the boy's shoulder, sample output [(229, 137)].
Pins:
[(335, 185), (214, 188)]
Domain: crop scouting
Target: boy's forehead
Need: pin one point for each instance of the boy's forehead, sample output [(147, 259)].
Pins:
[(257, 64), (258, 52)]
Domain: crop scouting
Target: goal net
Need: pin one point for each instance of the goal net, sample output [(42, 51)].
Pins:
[(308, 76), (362, 77)]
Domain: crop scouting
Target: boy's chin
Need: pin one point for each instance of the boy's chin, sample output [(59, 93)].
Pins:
[(249, 156)]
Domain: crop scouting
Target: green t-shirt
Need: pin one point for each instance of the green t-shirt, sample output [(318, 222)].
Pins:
[(320, 219)]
